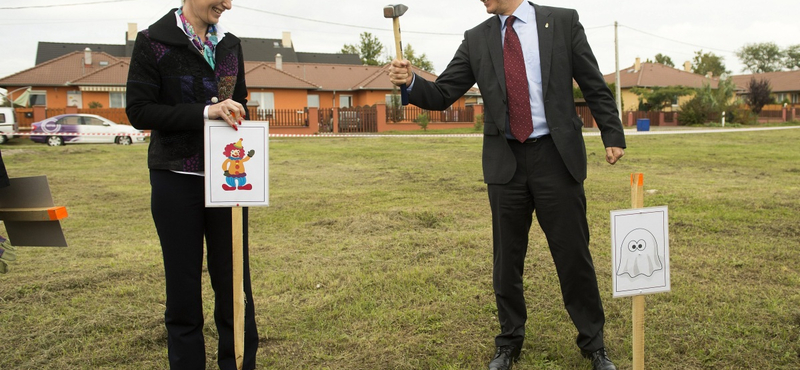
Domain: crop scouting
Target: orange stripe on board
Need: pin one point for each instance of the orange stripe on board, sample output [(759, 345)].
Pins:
[(57, 213)]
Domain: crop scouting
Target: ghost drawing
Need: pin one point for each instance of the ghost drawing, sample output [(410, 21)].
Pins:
[(639, 254)]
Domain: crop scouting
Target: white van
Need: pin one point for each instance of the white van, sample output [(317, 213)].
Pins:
[(8, 124)]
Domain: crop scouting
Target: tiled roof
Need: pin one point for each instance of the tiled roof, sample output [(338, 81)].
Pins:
[(338, 77), (60, 71), (327, 58), (50, 50), (114, 75), (69, 70), (785, 81), (262, 75), (659, 75)]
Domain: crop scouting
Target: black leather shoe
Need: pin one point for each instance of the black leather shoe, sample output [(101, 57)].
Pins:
[(599, 359), (504, 358)]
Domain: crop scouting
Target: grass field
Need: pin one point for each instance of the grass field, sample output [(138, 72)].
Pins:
[(376, 254)]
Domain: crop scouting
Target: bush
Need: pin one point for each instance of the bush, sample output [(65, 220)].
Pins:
[(479, 122), (423, 120), (95, 105), (694, 112)]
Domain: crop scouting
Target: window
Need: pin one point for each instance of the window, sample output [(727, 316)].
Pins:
[(266, 101), (2, 118), (70, 120), (37, 98), (345, 101), (116, 100), (92, 121), (392, 99), (313, 101)]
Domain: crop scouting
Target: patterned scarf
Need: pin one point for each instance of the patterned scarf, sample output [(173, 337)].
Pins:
[(209, 48)]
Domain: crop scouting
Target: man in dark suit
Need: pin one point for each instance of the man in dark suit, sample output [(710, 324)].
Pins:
[(534, 158)]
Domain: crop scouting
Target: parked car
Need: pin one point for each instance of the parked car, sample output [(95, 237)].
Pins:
[(83, 128), (8, 124)]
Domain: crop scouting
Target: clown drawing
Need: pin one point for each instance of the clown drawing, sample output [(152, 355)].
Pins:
[(639, 254), (235, 176)]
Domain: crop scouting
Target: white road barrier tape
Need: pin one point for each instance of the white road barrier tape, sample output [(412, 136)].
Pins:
[(78, 134)]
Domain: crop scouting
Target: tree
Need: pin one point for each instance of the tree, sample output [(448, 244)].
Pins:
[(761, 57), (760, 91), (665, 60), (792, 57), (702, 63), (658, 98), (420, 62), (709, 103), (369, 50)]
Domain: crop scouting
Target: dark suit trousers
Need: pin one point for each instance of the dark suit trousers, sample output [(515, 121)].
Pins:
[(182, 221), (542, 184)]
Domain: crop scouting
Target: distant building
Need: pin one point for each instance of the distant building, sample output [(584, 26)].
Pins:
[(254, 49), (649, 75)]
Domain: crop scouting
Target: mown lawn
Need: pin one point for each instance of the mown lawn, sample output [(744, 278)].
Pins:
[(375, 253)]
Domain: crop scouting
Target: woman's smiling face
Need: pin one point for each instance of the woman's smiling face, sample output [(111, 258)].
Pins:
[(205, 12)]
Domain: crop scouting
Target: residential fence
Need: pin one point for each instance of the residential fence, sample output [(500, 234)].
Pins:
[(280, 117), (381, 117), (410, 113)]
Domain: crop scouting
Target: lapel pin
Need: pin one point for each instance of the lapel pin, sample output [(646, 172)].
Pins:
[(547, 25)]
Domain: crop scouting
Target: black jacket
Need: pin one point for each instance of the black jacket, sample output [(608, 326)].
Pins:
[(169, 86), (564, 55)]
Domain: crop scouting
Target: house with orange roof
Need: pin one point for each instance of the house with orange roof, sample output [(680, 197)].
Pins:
[(649, 75)]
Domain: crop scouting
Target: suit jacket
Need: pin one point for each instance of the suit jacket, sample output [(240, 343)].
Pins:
[(565, 55), (169, 86)]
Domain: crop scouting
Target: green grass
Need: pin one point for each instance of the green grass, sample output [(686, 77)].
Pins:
[(376, 254)]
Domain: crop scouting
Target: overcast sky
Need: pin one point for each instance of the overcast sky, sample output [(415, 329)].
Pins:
[(676, 28)]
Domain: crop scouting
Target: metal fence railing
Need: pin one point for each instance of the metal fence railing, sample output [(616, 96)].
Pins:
[(280, 117), (410, 113)]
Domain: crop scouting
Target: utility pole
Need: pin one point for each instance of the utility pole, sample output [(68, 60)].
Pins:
[(616, 77)]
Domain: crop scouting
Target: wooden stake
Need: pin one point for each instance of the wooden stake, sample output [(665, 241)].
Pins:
[(238, 286), (637, 201)]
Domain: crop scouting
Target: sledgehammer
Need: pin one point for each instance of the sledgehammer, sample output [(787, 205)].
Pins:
[(395, 11)]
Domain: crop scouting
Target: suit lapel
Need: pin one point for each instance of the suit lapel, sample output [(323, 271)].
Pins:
[(544, 27), (495, 42)]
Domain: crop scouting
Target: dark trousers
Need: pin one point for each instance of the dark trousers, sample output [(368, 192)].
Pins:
[(182, 221), (543, 184)]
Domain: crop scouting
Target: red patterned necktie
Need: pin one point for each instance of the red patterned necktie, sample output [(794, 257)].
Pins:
[(519, 105)]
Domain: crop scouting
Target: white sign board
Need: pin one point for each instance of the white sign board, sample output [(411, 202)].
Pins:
[(640, 251), (237, 164)]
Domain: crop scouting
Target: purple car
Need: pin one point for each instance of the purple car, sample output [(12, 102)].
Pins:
[(83, 128)]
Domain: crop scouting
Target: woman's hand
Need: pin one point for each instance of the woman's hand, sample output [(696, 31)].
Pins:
[(229, 111)]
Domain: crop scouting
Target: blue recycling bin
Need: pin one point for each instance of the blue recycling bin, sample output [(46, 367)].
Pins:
[(643, 124)]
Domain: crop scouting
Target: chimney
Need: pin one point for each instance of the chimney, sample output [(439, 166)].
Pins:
[(87, 57), (687, 66), (287, 39), (279, 62), (131, 35), (638, 65)]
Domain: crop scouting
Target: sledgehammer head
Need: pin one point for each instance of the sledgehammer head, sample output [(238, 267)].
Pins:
[(394, 11)]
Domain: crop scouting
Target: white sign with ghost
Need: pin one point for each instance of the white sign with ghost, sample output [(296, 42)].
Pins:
[(237, 164), (640, 251)]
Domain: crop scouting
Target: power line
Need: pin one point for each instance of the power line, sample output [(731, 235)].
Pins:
[(60, 5), (344, 24), (679, 42)]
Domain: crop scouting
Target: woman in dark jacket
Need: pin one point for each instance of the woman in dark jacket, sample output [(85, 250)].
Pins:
[(186, 69)]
